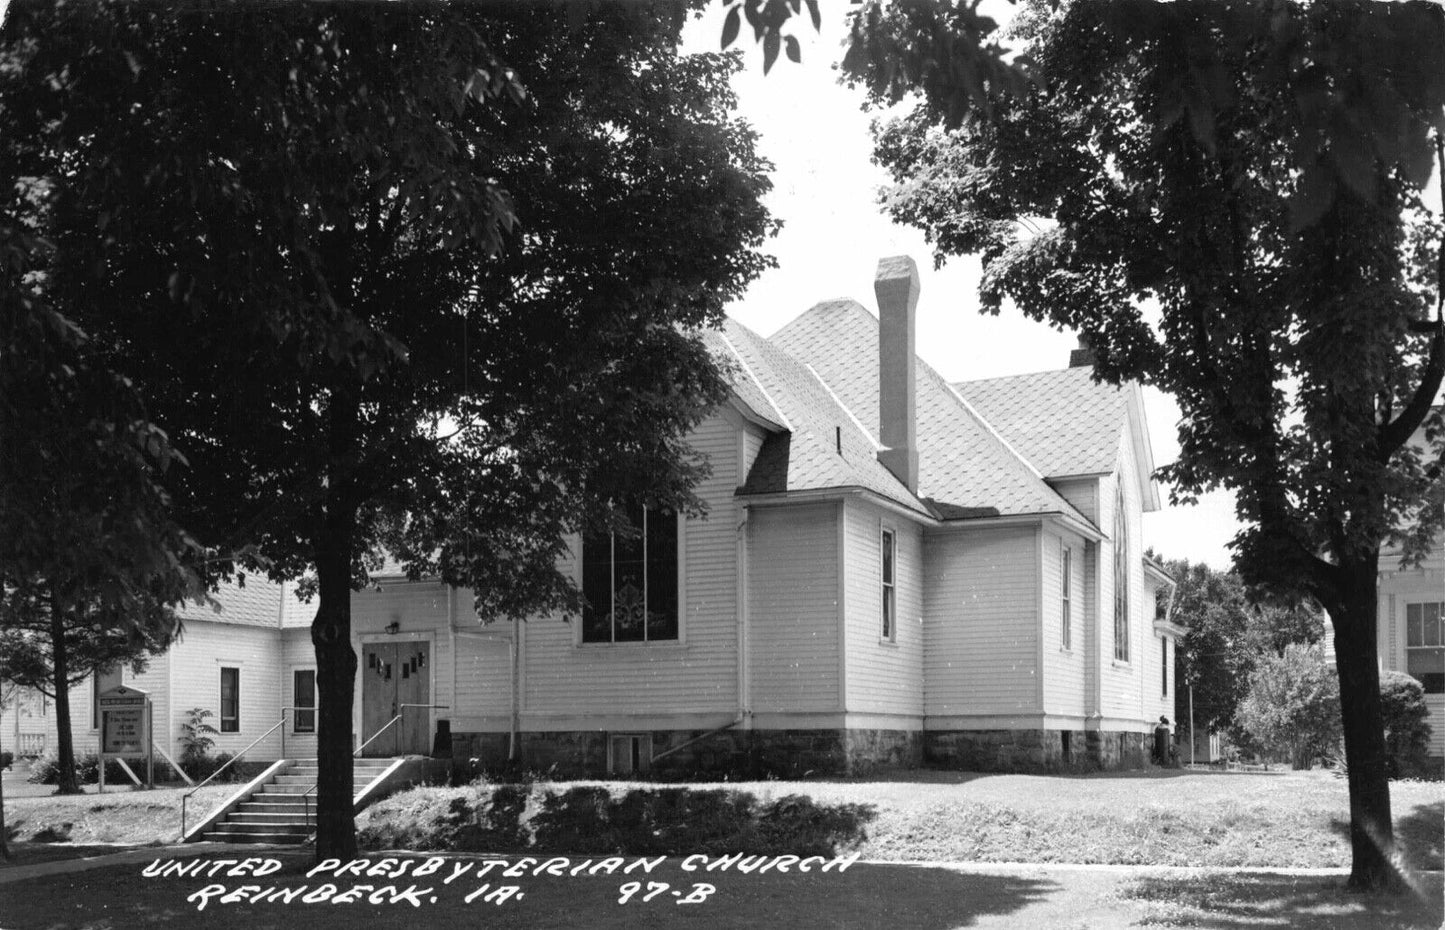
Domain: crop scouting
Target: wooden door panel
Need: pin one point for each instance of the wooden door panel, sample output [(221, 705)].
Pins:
[(379, 697), (413, 686)]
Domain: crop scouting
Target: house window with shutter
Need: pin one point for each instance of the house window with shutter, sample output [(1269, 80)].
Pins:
[(631, 584), (230, 700), (1425, 645)]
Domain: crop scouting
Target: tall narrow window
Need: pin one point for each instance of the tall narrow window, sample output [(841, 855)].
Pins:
[(1164, 665), (303, 696), (1066, 597), (630, 585), (890, 552), (1425, 645), (1121, 575), (230, 700)]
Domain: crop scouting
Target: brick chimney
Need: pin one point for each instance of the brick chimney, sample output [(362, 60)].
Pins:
[(896, 286), (1083, 356)]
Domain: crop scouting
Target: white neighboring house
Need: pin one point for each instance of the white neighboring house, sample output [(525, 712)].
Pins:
[(892, 570), (1411, 628)]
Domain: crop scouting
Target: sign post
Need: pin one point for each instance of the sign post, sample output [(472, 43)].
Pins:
[(125, 730)]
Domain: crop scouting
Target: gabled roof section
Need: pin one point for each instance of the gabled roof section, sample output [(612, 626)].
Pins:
[(824, 446), (1066, 424), (256, 603), (965, 469)]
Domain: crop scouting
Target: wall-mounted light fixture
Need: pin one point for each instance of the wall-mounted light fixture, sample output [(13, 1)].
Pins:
[(393, 627)]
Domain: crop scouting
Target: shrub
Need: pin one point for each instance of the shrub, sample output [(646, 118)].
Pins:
[(46, 770), (196, 742), (201, 767), (1293, 705), (589, 820), (7, 759), (1407, 734)]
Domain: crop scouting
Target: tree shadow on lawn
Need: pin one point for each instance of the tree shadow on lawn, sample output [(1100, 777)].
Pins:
[(914, 897), (1226, 902), (1420, 835)]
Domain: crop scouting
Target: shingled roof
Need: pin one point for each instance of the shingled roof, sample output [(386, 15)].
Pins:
[(1062, 421), (824, 446), (966, 470)]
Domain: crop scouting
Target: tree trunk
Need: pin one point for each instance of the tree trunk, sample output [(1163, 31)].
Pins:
[(66, 782), (1372, 835), (335, 681)]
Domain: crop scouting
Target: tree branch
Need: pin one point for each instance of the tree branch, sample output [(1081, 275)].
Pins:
[(1397, 432)]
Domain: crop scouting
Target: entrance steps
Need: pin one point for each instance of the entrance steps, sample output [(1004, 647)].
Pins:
[(279, 806)]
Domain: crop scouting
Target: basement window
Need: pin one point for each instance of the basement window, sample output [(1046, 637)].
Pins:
[(628, 753)]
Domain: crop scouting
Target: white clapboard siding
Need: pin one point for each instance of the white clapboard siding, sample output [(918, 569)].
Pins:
[(980, 624), (1400, 587), (793, 609), (1083, 493), (882, 676), (196, 663), (697, 674), (1124, 683), (1064, 679)]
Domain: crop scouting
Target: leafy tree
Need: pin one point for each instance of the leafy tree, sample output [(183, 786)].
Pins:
[(1407, 730), (1293, 704), (381, 295), (1228, 632), (1224, 199), (51, 642)]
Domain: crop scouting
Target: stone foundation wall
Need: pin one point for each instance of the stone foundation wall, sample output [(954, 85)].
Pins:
[(1035, 750), (684, 754), (738, 753)]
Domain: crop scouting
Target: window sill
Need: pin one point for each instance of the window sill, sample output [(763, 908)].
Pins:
[(892, 643), (635, 644), (1122, 663)]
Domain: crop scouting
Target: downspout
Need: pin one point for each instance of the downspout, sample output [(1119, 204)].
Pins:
[(744, 712), (516, 651)]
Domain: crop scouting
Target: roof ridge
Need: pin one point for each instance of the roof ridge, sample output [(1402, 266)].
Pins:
[(782, 417)]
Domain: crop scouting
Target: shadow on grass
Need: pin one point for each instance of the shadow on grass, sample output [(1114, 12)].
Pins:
[(917, 898), (1225, 902), (1420, 835)]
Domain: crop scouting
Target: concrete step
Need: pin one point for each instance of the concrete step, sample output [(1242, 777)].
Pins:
[(283, 826), (255, 806), (228, 835), (288, 788), (298, 818)]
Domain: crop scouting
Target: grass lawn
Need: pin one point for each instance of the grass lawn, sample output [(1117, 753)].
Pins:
[(74, 826), (915, 897)]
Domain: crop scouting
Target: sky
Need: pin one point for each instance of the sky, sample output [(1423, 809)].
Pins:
[(825, 191)]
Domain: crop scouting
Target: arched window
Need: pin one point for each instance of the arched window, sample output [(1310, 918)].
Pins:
[(1121, 575)]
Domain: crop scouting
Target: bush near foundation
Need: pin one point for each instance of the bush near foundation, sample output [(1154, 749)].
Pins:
[(1407, 732), (590, 819)]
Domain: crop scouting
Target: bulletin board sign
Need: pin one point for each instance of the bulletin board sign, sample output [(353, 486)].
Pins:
[(125, 726)]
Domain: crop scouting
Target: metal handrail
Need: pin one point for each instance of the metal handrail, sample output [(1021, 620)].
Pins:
[(306, 796), (393, 720), (231, 761)]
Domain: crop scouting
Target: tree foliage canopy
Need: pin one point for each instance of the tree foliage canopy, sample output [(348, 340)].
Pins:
[(1225, 200), (384, 297), (1228, 633)]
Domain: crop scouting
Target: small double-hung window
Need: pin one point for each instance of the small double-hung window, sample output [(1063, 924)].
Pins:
[(1425, 645), (630, 585), (890, 586)]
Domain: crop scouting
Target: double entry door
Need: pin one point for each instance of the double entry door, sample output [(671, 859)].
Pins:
[(393, 675)]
